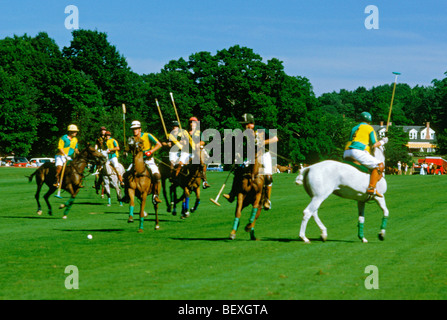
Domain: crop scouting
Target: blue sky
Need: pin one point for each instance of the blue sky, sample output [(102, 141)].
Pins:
[(324, 41)]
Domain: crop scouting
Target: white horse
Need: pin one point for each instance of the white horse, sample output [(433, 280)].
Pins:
[(111, 180), (331, 177)]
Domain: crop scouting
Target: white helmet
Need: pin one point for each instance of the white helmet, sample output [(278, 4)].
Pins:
[(72, 128), (135, 124)]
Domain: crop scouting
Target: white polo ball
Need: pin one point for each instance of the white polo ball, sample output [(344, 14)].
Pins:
[(89, 237)]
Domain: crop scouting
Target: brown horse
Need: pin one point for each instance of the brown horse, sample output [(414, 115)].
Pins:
[(72, 179), (138, 183), (249, 189)]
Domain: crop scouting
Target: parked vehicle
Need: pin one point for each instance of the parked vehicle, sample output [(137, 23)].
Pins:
[(215, 167), (20, 162), (37, 162)]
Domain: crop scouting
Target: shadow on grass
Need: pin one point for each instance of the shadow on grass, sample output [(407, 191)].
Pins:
[(202, 239), (30, 217), (90, 230), (299, 240)]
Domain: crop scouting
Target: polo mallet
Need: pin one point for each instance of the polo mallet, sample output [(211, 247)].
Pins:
[(392, 99), (124, 123), (215, 201), (58, 195), (175, 109), (162, 121)]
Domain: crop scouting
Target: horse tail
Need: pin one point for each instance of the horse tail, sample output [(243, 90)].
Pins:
[(30, 178), (301, 176), (302, 180)]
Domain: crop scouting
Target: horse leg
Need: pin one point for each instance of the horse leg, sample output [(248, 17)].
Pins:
[(157, 226), (382, 204), (37, 195), (47, 199), (308, 213), (185, 204), (361, 207), (321, 226), (165, 195), (197, 202), (69, 202), (255, 213), (142, 206), (173, 196), (131, 193), (237, 215)]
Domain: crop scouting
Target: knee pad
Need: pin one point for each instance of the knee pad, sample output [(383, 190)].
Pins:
[(381, 168)]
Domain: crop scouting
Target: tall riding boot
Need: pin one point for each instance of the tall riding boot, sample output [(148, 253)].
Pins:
[(374, 178)]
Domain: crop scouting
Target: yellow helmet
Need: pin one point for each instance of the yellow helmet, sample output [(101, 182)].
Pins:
[(72, 127)]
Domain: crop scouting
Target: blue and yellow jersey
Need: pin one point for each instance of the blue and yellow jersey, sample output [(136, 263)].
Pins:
[(148, 141), (111, 144), (362, 137), (68, 145)]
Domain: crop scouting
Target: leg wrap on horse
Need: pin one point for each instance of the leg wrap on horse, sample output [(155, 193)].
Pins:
[(236, 224), (254, 211)]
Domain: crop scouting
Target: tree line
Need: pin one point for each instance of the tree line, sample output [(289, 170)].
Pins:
[(44, 88)]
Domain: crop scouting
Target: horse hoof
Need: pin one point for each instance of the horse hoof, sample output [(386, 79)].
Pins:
[(232, 235), (382, 235), (305, 239), (62, 206), (324, 237), (174, 213), (140, 230), (157, 227), (130, 220), (39, 212), (364, 240), (64, 217), (248, 227)]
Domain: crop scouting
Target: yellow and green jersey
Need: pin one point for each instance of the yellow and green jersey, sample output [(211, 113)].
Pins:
[(362, 137), (148, 141), (111, 144), (69, 145)]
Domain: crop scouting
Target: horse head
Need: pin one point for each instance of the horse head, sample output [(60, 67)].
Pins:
[(91, 154), (135, 145)]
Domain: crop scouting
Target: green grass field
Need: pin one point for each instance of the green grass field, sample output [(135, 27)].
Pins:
[(193, 259)]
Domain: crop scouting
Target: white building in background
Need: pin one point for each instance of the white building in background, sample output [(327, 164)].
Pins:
[(422, 138)]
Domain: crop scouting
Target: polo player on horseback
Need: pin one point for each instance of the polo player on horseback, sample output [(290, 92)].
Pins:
[(151, 145), (176, 156), (197, 144), (66, 148), (362, 140), (113, 154), (264, 164)]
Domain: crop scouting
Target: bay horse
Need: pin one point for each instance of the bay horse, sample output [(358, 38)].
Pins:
[(249, 189), (344, 180), (72, 179), (138, 183)]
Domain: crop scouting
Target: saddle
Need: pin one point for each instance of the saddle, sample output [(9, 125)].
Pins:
[(356, 165)]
